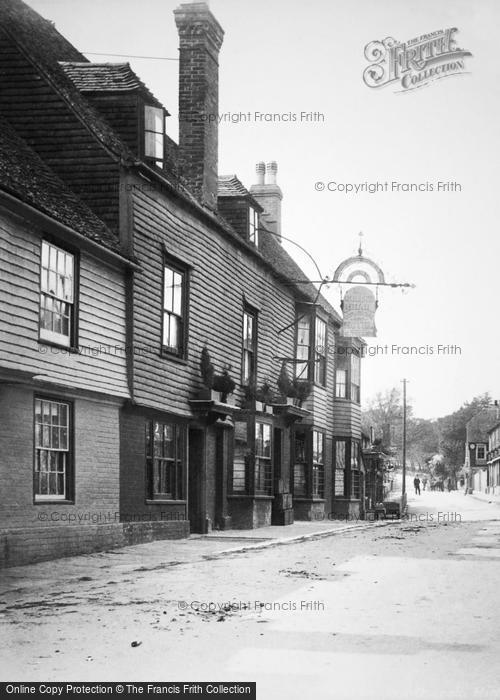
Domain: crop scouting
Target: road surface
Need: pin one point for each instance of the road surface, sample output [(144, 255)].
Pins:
[(407, 610)]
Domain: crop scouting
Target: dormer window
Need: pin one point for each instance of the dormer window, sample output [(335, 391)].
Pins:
[(253, 226), (154, 134)]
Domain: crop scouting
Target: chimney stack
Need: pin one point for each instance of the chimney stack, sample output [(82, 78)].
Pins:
[(200, 40), (269, 195)]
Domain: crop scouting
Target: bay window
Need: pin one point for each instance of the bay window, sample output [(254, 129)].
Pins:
[(341, 384), (303, 347), (311, 348), (348, 374)]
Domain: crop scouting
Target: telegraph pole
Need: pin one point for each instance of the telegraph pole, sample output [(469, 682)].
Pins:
[(404, 438)]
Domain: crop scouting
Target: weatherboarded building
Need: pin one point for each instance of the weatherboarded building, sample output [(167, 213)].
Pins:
[(170, 366)]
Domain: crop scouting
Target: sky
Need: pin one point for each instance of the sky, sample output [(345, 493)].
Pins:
[(286, 56)]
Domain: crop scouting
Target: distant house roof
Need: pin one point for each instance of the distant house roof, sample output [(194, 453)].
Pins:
[(106, 77), (24, 175)]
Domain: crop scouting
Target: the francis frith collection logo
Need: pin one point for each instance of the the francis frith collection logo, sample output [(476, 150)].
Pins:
[(414, 63)]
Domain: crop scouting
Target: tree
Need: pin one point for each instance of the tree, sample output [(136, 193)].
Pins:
[(385, 415)]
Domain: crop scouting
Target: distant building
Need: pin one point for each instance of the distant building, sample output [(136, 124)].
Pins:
[(493, 458), (476, 448)]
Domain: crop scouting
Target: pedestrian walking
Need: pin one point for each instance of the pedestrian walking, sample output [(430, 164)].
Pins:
[(424, 483), (416, 484)]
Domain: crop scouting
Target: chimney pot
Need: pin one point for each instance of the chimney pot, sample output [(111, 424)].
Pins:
[(260, 169), (268, 194), (271, 172)]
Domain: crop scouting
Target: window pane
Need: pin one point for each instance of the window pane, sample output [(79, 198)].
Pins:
[(148, 428), (45, 254), (318, 447), (303, 329), (165, 477), (57, 290), (299, 480), (239, 474), (177, 294), (341, 383), (153, 119), (173, 340), (300, 448), (169, 283), (340, 446), (51, 445), (153, 145), (320, 336)]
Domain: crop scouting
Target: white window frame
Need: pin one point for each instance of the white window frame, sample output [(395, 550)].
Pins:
[(57, 291), (174, 309), (151, 115), (46, 449), (253, 226)]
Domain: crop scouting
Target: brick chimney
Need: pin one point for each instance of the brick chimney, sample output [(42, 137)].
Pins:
[(200, 39), (269, 195)]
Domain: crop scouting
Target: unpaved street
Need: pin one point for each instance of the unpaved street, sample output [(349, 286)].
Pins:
[(403, 610)]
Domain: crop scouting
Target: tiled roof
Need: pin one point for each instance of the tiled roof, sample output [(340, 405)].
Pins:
[(106, 77), (45, 46), (230, 186), (24, 175)]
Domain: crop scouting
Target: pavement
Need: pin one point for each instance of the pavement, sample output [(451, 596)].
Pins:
[(167, 553), (488, 497)]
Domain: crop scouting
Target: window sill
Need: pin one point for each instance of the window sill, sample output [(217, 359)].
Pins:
[(306, 499), (257, 497), (344, 400), (69, 349), (181, 360), (52, 501), (164, 502)]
